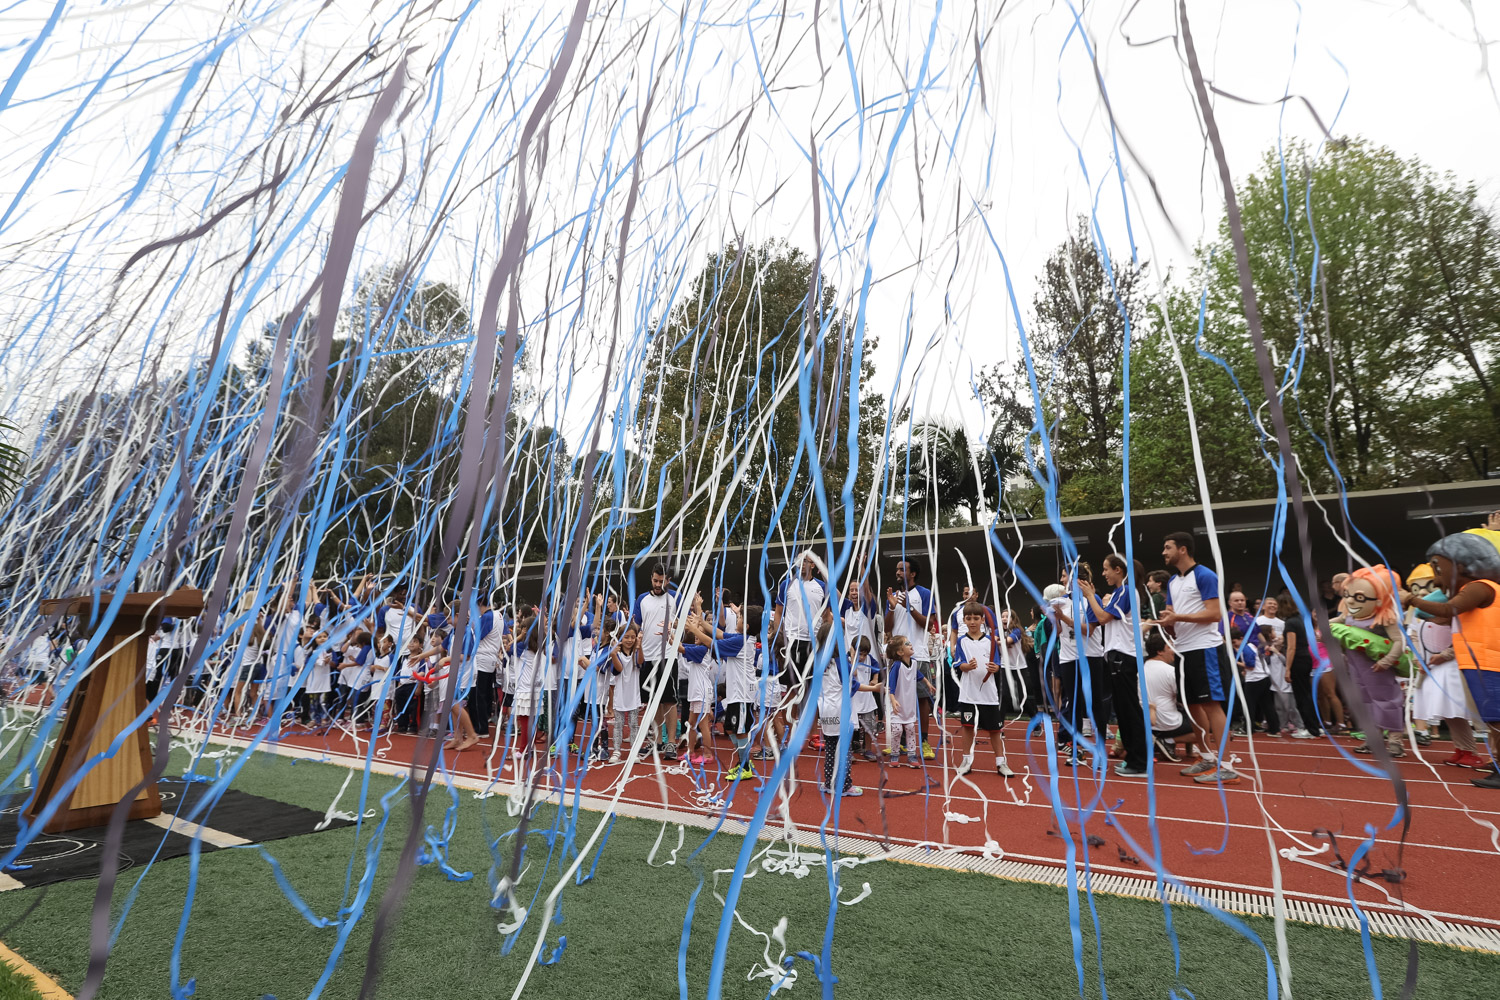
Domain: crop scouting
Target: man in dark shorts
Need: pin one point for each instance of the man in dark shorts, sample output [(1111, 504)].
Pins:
[(655, 615), (801, 605), (1193, 614)]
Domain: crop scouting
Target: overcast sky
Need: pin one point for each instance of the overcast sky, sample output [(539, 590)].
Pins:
[(975, 175)]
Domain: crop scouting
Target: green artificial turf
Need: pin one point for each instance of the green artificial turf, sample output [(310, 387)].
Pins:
[(922, 932), (14, 986)]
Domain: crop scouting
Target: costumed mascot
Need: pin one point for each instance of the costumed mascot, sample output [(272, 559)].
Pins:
[(1466, 566)]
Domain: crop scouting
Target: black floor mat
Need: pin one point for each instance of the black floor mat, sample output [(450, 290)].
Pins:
[(57, 857)]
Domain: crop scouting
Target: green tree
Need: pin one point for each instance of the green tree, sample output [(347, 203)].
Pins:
[(1379, 287), (1082, 318), (709, 402)]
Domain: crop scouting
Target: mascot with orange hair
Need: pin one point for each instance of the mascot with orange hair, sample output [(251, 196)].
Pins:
[(1375, 649)]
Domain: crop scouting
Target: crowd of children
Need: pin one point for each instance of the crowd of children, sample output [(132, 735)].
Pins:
[(737, 680)]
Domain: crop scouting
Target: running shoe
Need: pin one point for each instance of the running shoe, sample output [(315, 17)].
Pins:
[(1200, 768), (1466, 758), (927, 751), (1166, 752), (1490, 780), (1302, 734), (614, 758), (854, 792), (871, 755), (670, 753), (1003, 769), (766, 754), (1220, 776), (965, 766), (1423, 739), (912, 760), (1354, 734), (1124, 770)]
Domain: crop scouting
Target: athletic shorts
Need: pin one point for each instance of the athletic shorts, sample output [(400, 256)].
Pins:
[(508, 699), (675, 689), (1172, 734), (739, 718), (1202, 677), (1484, 687), (986, 717)]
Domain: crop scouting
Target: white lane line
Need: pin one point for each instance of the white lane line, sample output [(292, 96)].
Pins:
[(651, 810)]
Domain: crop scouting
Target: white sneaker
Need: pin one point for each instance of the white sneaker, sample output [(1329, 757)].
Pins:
[(1088, 728), (966, 765), (1302, 734), (614, 758), (1003, 769)]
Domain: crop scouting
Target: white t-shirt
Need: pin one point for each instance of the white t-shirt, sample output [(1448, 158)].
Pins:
[(1119, 634), (831, 695), (1093, 638), (976, 687), (903, 685), (741, 674), (487, 649), (1161, 689), (319, 680), (399, 625), (1255, 664), (1188, 594), (1276, 664), (1277, 625), (651, 613), (802, 604), (864, 670), (528, 681), (1012, 654), (1067, 646), (627, 681), (354, 673), (861, 621), (920, 600)]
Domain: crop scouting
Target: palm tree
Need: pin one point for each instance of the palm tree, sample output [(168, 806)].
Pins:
[(12, 463), (939, 471)]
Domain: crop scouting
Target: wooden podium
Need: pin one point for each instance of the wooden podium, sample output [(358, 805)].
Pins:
[(107, 699)]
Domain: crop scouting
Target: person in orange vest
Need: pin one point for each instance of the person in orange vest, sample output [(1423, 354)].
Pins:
[(1467, 568)]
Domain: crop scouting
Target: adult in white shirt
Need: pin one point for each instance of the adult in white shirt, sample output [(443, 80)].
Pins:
[(655, 614), (1193, 614), (489, 626), (1117, 616), (1270, 616), (863, 619), (1167, 719), (801, 605)]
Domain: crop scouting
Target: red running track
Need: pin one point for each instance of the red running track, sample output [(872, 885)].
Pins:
[(1208, 836)]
